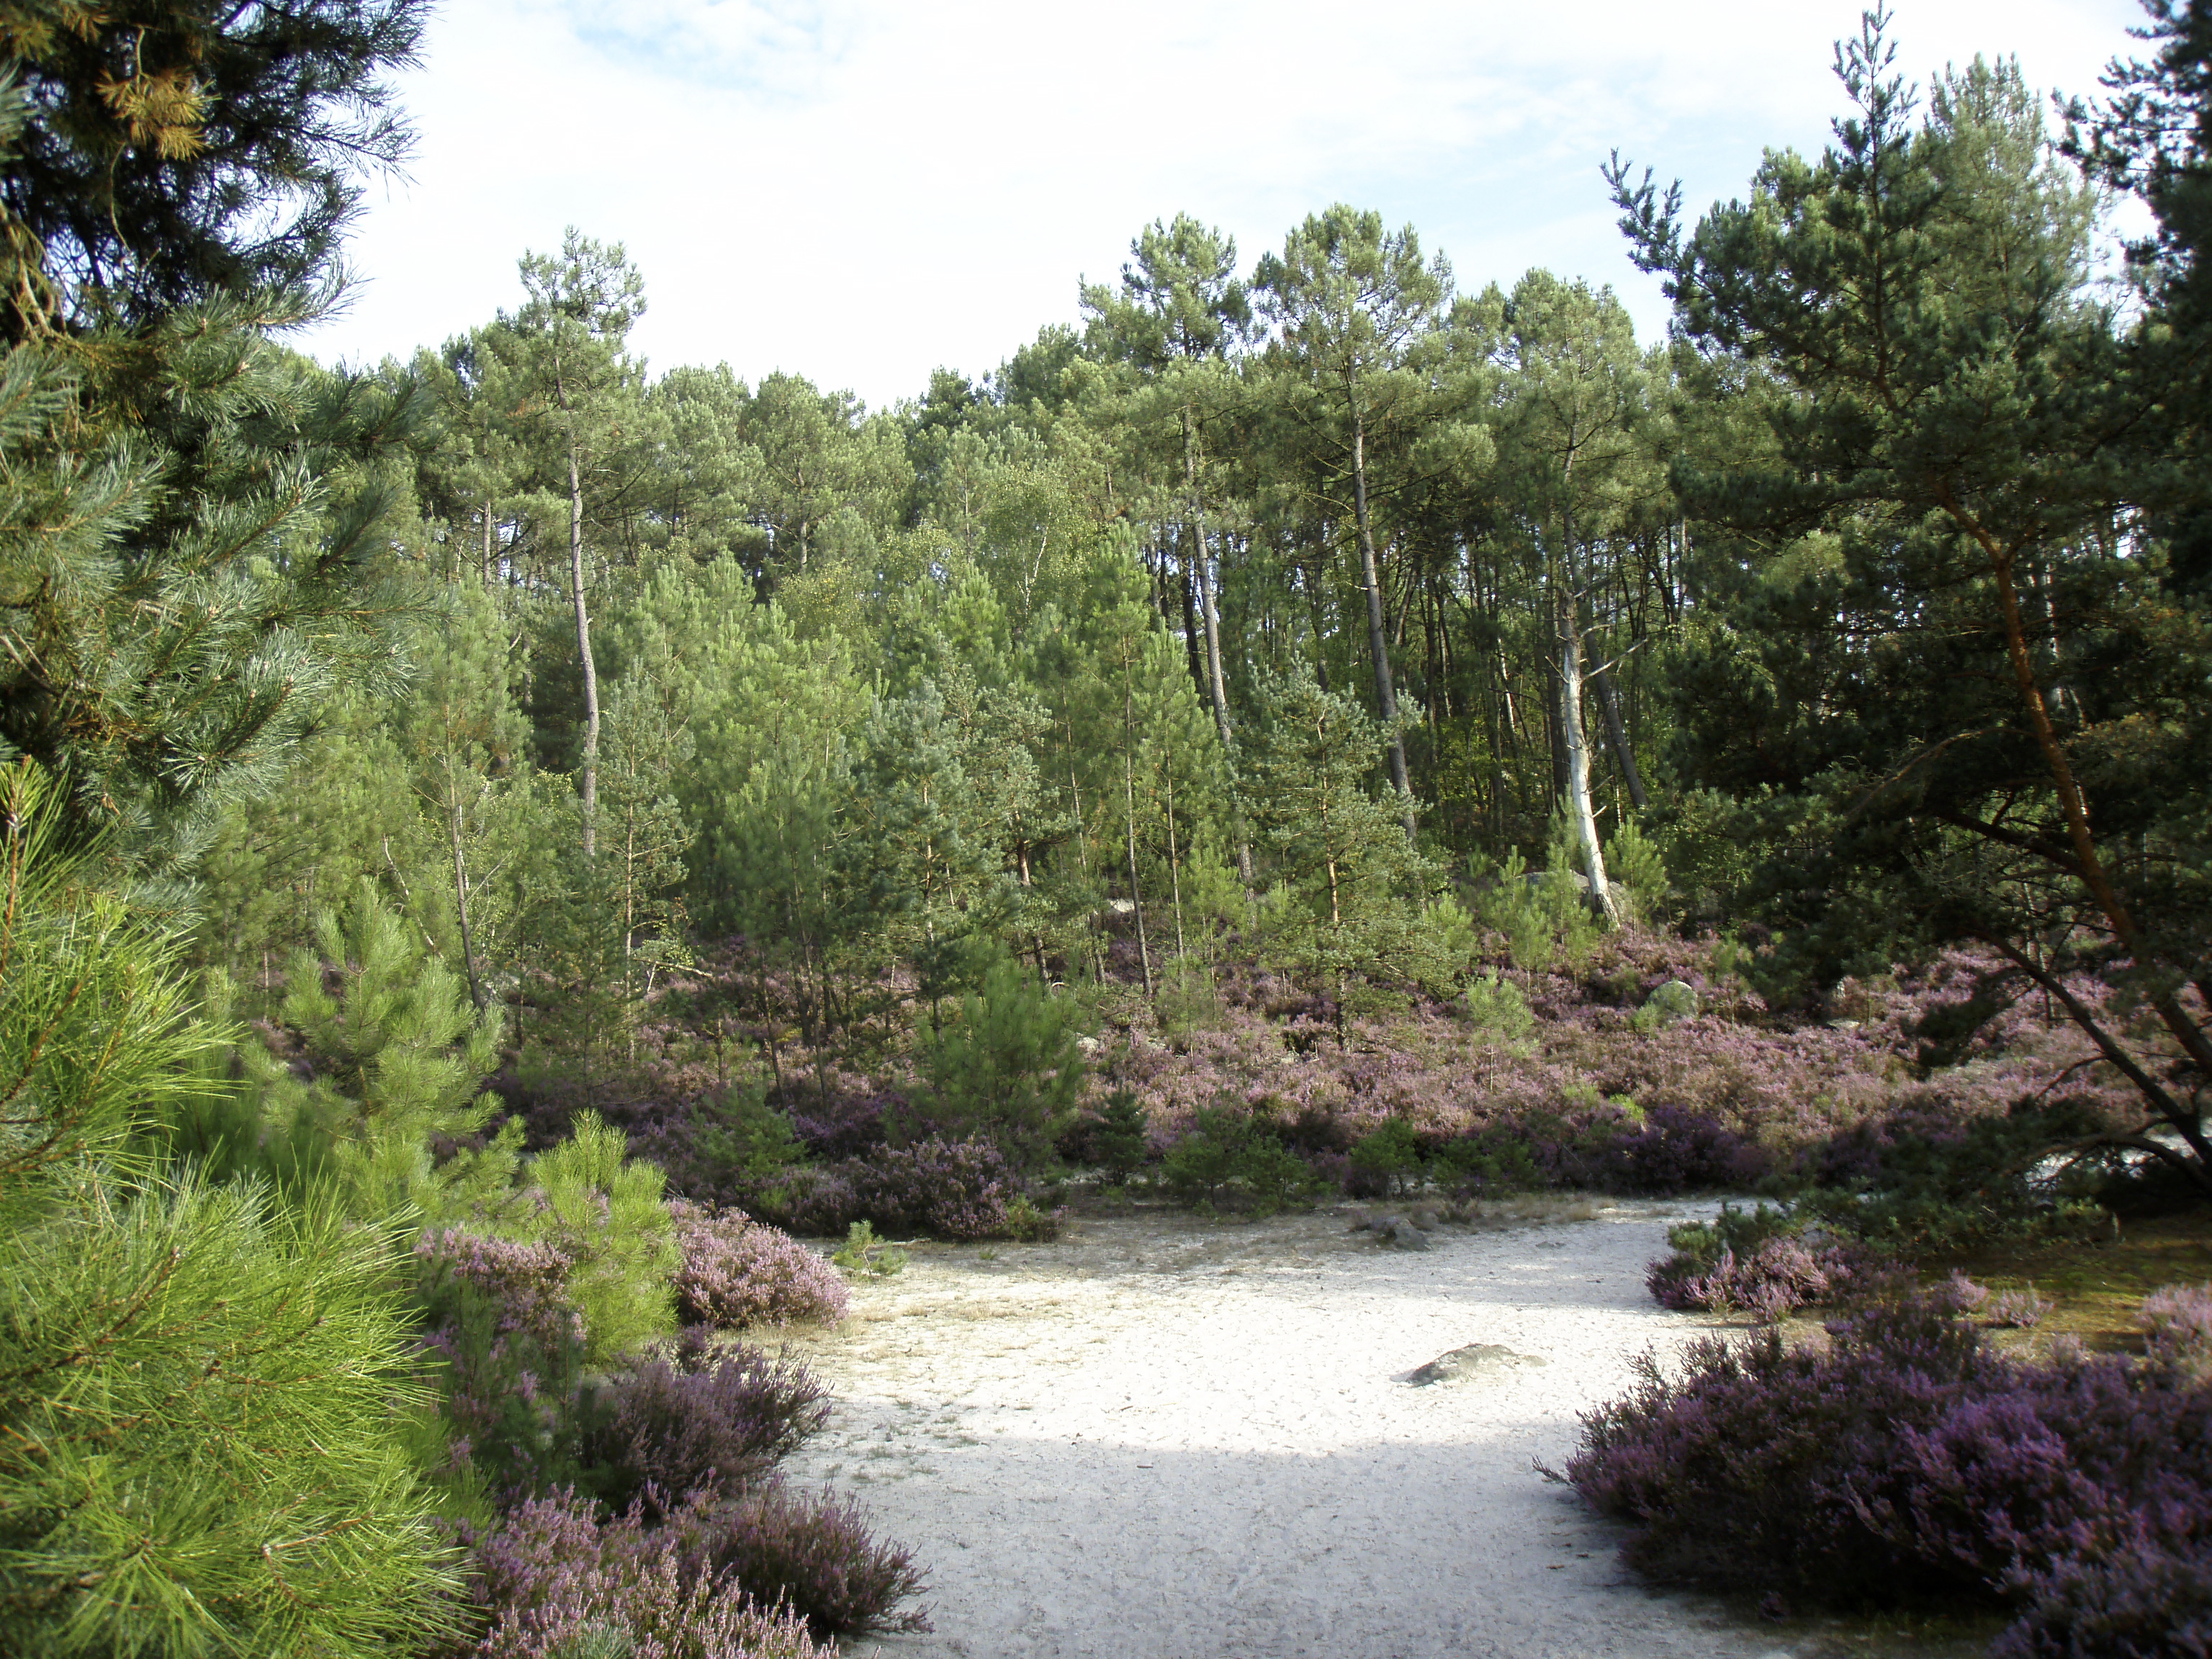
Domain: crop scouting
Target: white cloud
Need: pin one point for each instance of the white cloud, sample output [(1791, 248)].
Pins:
[(859, 190)]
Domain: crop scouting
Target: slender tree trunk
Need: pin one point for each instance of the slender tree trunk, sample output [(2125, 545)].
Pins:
[(1616, 736), (1136, 897), (477, 994), (1216, 685), (591, 791), (1386, 697), (1567, 615), (1175, 871), (2192, 1037), (486, 539)]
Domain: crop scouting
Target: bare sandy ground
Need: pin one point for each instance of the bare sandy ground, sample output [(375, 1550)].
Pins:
[(1166, 1438)]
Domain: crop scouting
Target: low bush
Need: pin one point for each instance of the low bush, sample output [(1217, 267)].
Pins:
[(498, 1315), (1677, 1150), (1230, 1153), (813, 1554), (699, 1418), (1907, 1460), (736, 1272), (556, 1582), (862, 1252)]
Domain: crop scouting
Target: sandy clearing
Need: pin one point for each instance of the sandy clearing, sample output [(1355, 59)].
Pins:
[(1171, 1438)]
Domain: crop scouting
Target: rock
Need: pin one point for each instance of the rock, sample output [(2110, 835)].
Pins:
[(1424, 1219), (1477, 1359), (1672, 1001), (1088, 1045), (1407, 1237)]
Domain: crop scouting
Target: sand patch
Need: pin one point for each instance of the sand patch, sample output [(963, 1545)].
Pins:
[(1170, 1438)]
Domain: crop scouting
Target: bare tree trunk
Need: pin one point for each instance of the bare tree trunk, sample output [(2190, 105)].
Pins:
[(1616, 736), (590, 789), (1217, 687), (1386, 697), (1567, 618), (477, 994)]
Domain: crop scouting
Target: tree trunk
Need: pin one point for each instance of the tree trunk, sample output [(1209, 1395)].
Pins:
[(1216, 685), (591, 790), (1616, 736), (1567, 618), (477, 994), (1386, 698)]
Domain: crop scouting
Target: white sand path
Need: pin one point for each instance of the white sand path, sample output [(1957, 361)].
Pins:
[(1171, 1438)]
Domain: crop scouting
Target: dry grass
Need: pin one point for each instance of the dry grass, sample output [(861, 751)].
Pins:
[(2096, 1288)]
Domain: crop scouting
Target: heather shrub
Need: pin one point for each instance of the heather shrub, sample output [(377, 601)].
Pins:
[(813, 1554), (949, 1190), (1908, 1460), (2143, 1603), (700, 1418), (1677, 1150), (556, 1582), (736, 1272), (2019, 1310), (499, 1316), (2176, 1323)]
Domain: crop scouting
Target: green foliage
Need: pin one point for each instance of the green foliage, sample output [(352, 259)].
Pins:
[(396, 1054), (589, 1201), (1634, 860), (741, 1138), (1227, 1150), (1007, 1069), (1495, 1160), (863, 1253), (1122, 1142), (1497, 1008), (1391, 1154), (210, 1399)]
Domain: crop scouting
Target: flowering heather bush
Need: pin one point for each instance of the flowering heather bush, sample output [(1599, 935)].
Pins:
[(813, 1554), (2149, 1603), (1678, 1150), (2018, 1310), (737, 1272), (499, 1315), (1909, 1459), (2178, 1326), (703, 1419), (1778, 1277), (958, 1189), (556, 1582)]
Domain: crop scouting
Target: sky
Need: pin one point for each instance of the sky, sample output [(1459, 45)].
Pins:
[(860, 190)]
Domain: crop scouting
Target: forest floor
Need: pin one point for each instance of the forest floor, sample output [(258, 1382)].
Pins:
[(1169, 1437)]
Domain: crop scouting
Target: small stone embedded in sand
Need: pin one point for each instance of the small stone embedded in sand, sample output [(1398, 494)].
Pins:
[(1464, 1364)]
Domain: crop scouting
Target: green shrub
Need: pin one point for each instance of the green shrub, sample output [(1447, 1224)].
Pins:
[(1389, 1155), (1228, 1151), (603, 1212), (212, 1425), (1121, 1141), (1493, 1159), (1497, 1008), (862, 1252), (1006, 1069)]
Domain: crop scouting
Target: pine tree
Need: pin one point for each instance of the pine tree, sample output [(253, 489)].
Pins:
[(211, 1397)]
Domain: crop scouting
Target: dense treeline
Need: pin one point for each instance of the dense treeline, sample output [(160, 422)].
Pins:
[(448, 807)]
